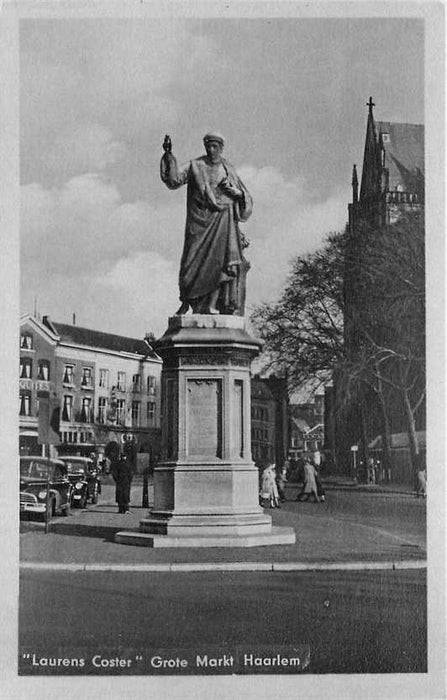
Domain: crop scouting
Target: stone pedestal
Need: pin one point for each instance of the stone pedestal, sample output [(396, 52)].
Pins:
[(206, 486)]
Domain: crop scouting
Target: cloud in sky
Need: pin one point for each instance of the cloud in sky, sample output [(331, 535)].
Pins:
[(81, 227), (83, 230), (83, 149), (100, 234), (134, 296)]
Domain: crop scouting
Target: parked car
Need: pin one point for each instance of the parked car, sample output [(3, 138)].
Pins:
[(84, 475), (44, 487)]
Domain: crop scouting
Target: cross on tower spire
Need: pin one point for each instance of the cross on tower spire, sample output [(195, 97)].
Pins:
[(370, 104)]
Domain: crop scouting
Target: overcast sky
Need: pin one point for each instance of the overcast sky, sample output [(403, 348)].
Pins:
[(101, 236)]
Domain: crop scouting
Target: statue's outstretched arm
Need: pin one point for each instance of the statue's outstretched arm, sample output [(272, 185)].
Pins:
[(169, 170)]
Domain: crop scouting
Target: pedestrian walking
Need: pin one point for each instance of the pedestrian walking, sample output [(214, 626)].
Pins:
[(269, 490), (310, 484), (281, 480), (371, 471), (421, 489), (122, 474)]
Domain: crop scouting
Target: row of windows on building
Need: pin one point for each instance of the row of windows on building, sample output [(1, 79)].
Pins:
[(260, 434), (75, 436), (104, 381), (259, 413), (108, 411), (43, 372), (26, 369)]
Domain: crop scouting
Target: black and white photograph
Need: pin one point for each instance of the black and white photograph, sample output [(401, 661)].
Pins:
[(224, 380)]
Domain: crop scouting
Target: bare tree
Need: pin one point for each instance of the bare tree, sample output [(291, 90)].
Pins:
[(389, 315), (356, 309), (303, 331)]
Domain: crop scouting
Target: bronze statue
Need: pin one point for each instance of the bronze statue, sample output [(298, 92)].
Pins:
[(213, 268)]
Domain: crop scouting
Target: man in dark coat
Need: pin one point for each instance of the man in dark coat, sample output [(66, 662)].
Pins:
[(122, 474)]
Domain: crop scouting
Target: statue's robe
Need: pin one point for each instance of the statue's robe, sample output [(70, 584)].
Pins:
[(212, 243)]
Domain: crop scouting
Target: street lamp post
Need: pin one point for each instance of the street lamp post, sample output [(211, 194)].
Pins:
[(354, 450)]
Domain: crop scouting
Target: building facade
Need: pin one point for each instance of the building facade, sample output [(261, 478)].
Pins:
[(262, 423), (307, 432), (108, 387), (36, 374), (269, 420), (108, 390), (392, 185)]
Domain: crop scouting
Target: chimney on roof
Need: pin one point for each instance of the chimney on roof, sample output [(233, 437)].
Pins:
[(74, 319), (47, 322)]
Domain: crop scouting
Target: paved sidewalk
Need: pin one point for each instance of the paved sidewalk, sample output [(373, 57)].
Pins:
[(325, 539), (346, 484)]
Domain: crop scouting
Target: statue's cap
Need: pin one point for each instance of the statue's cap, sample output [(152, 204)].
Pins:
[(214, 136)]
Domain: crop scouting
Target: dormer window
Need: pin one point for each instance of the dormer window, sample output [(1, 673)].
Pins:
[(26, 341)]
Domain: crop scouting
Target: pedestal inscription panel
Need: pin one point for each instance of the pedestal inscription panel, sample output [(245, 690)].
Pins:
[(204, 418)]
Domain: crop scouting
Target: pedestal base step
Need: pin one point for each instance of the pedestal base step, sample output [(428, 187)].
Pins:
[(208, 525), (277, 535)]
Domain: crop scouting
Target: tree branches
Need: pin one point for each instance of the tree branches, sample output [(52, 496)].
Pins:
[(304, 329), (355, 307)]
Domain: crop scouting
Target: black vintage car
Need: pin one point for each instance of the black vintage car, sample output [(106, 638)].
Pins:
[(84, 477), (45, 488)]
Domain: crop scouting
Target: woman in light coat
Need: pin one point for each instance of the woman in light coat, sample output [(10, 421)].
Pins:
[(269, 490), (422, 483)]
